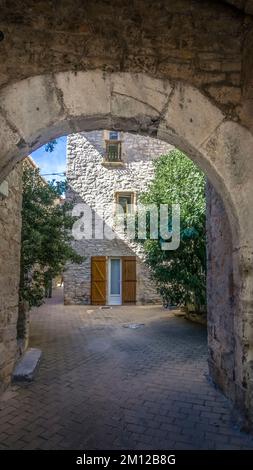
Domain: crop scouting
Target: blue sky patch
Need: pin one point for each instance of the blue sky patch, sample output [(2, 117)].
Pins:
[(54, 162)]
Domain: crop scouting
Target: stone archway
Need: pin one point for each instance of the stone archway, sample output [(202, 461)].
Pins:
[(35, 110)]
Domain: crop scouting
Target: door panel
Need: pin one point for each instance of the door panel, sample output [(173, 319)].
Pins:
[(129, 279), (98, 280)]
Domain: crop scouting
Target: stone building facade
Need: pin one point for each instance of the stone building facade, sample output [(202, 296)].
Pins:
[(100, 181)]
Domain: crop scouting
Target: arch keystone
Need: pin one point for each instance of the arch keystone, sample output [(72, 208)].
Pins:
[(138, 95), (84, 93)]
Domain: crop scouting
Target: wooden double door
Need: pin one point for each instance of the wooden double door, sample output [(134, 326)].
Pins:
[(113, 280)]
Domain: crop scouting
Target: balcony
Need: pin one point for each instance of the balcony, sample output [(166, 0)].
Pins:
[(113, 153)]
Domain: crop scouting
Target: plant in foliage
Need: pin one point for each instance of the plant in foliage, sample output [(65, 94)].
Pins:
[(45, 243), (180, 275)]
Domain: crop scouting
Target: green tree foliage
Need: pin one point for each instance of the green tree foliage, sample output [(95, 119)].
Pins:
[(46, 236), (180, 275)]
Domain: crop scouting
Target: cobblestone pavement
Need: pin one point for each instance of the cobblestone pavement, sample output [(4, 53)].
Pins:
[(104, 386)]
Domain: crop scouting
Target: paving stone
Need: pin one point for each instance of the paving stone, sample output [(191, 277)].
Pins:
[(137, 393)]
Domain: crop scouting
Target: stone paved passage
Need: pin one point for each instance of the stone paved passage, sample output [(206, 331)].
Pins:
[(102, 385)]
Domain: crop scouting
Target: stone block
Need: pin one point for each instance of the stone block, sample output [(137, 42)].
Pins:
[(229, 149), (32, 105), (191, 116), (26, 368), (4, 189), (2, 354), (225, 94), (9, 140), (136, 95), (84, 93)]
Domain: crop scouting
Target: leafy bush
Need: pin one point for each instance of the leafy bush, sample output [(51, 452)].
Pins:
[(180, 275), (45, 242)]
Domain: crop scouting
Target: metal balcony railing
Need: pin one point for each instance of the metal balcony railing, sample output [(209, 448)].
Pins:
[(113, 151)]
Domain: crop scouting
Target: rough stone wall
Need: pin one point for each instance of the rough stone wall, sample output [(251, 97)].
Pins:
[(95, 184), (10, 233), (199, 41), (222, 297)]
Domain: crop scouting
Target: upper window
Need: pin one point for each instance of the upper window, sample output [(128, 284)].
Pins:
[(113, 147)]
